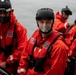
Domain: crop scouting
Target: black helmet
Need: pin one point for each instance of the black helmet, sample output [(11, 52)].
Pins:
[(66, 10), (44, 13), (5, 6)]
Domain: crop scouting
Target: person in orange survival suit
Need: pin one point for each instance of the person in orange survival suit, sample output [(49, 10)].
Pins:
[(37, 59), (72, 49), (61, 23), (13, 37), (72, 34), (72, 56)]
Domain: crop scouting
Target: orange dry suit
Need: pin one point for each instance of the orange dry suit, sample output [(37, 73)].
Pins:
[(60, 24), (37, 47), (12, 42), (72, 53), (71, 40)]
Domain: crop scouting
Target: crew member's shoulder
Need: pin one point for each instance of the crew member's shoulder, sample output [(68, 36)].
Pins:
[(20, 27), (60, 43)]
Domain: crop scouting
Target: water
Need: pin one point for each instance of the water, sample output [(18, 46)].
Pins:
[(25, 10)]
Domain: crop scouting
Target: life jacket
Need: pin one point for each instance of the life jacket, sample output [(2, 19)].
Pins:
[(10, 36), (44, 50)]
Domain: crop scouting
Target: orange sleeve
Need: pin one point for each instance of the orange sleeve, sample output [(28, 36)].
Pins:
[(21, 43), (23, 64), (72, 31), (58, 59), (72, 50), (60, 26), (71, 36)]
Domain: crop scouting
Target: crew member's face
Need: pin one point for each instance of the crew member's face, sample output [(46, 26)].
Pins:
[(4, 17), (65, 16), (4, 14), (45, 25)]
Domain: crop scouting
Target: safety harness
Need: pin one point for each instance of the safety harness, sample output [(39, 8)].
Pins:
[(71, 65), (45, 50)]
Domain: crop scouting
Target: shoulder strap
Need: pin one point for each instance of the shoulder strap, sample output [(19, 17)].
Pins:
[(14, 34), (40, 62), (50, 47)]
